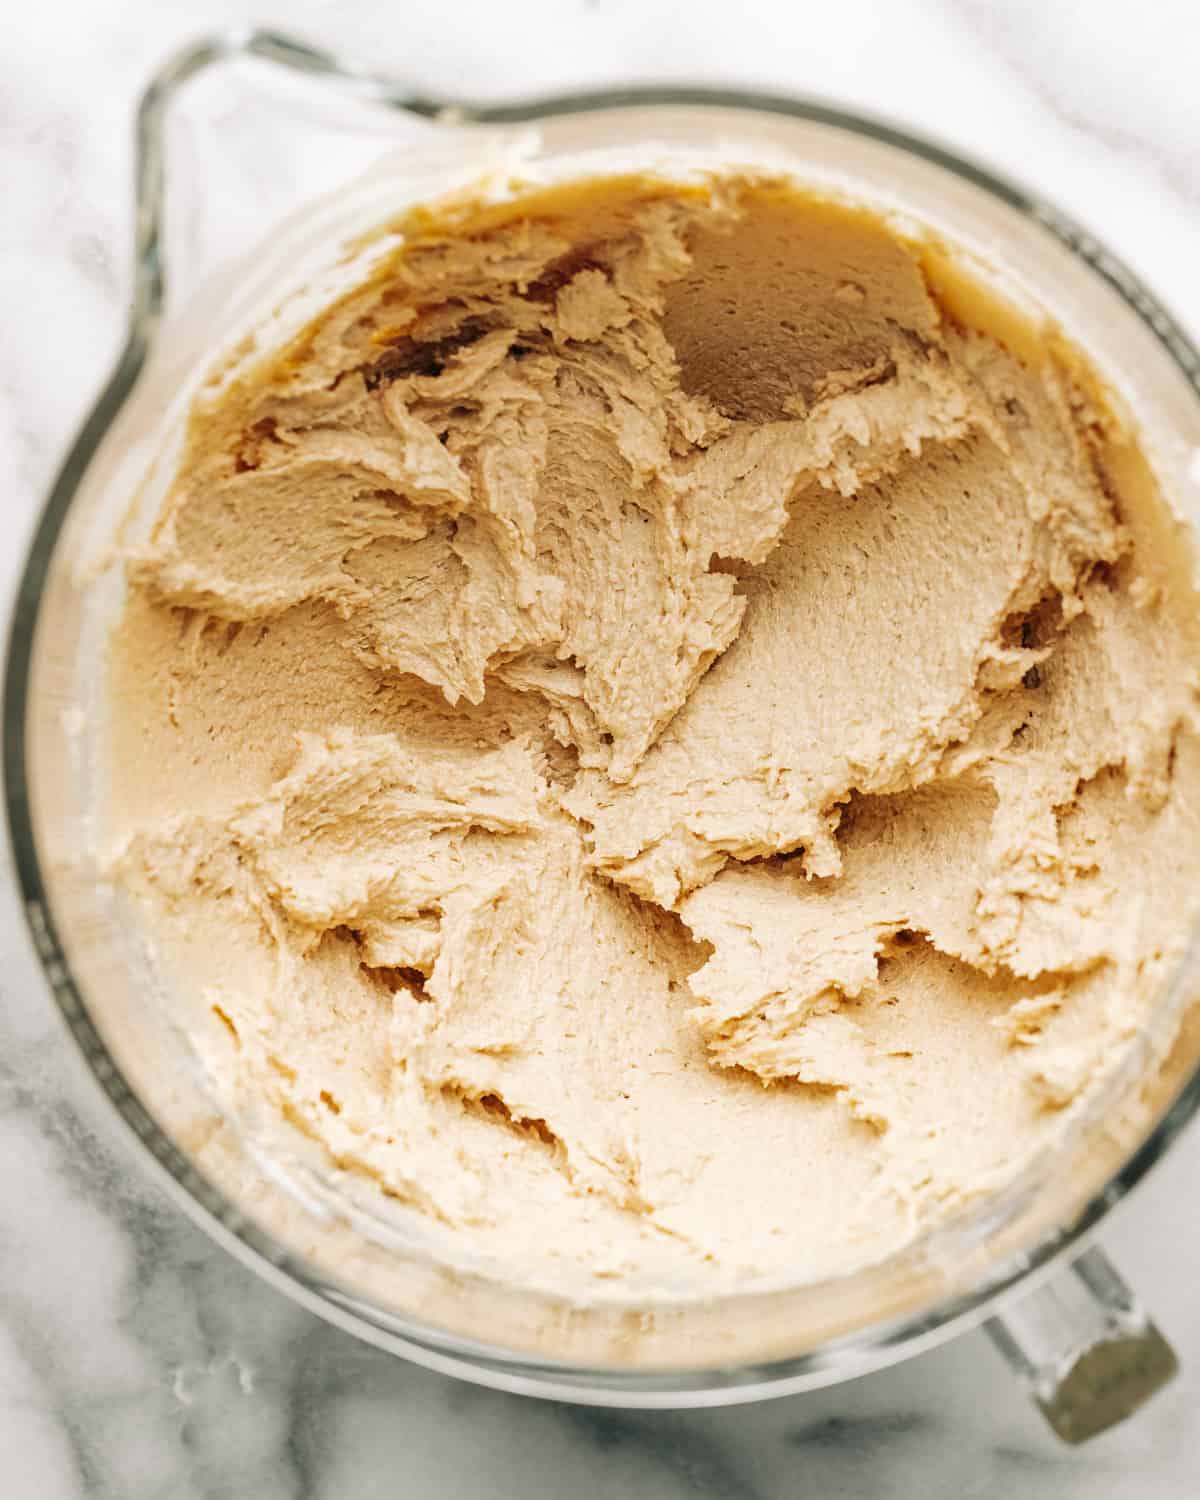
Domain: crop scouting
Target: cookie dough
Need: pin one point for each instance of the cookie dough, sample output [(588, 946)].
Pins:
[(659, 734)]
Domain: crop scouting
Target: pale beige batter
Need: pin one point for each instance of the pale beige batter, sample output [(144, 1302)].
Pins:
[(655, 742)]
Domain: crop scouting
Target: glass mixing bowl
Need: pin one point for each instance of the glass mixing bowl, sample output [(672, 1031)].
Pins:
[(259, 161)]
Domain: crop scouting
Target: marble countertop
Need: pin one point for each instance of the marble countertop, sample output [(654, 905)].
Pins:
[(137, 1360)]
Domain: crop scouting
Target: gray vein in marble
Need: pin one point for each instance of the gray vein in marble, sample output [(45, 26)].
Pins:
[(308, 1396), (685, 1452), (23, 1334), (869, 1432)]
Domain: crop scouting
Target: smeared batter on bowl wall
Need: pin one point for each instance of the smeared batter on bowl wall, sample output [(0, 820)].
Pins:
[(657, 744)]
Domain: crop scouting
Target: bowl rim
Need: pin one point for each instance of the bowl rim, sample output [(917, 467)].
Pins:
[(208, 1206)]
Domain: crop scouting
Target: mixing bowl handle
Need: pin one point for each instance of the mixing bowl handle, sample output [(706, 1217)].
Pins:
[(1084, 1347)]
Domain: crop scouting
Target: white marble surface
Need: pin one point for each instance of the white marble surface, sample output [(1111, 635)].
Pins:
[(137, 1360)]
